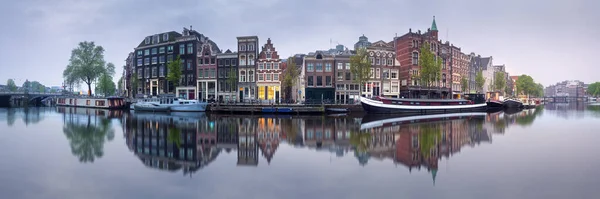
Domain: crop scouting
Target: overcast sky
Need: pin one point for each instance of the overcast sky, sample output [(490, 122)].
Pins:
[(548, 39)]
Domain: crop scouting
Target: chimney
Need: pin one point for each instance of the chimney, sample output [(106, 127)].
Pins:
[(419, 31), (190, 27), (410, 30)]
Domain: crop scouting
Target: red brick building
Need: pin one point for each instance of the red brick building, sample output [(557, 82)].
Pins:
[(269, 73), (407, 49)]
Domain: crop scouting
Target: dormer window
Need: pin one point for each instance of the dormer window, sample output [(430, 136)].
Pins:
[(147, 40), (165, 37), (319, 56)]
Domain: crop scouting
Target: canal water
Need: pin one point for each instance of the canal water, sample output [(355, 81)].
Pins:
[(548, 152)]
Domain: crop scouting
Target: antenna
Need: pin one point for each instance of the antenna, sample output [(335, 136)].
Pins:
[(447, 32)]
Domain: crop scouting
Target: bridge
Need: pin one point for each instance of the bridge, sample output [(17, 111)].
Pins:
[(566, 99), (24, 98)]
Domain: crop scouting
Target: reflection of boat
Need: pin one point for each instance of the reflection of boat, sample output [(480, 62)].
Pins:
[(169, 104), (336, 110), (398, 105), (512, 111), (529, 104), (383, 121), (512, 104)]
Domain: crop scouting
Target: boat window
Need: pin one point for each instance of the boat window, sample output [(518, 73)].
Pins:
[(180, 102), (418, 103), (412, 102)]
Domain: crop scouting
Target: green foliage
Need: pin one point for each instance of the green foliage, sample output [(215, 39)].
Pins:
[(431, 67), (290, 75), (26, 85), (36, 86), (526, 85), (508, 91), (232, 79), (464, 84), (85, 65), (594, 89), (499, 81), (360, 140), (480, 80), (429, 136), (174, 73), (360, 67), (174, 136), (105, 86), (10, 83)]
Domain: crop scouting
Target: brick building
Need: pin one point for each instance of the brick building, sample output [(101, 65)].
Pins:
[(207, 72), (269, 73), (247, 54), (318, 74)]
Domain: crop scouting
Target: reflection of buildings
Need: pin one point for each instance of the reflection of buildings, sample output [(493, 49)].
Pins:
[(227, 132), (247, 146), (172, 143), (318, 133), (269, 130)]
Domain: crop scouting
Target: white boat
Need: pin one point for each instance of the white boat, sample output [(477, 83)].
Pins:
[(91, 102), (169, 104)]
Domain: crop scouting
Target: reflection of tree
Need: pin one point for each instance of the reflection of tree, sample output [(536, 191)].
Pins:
[(360, 140), (429, 136), (10, 116), (595, 109), (87, 140), (174, 136), (528, 119)]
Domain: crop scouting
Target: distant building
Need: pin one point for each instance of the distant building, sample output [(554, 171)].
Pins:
[(269, 73), (227, 78), (207, 71), (318, 72), (385, 79), (488, 73), (474, 69), (297, 91), (346, 90), (363, 42)]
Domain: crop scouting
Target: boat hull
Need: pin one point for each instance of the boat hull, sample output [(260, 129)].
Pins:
[(495, 104), (141, 107), (377, 107), (512, 104), (188, 107)]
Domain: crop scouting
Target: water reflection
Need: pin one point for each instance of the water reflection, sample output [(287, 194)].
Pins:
[(29, 116), (87, 130)]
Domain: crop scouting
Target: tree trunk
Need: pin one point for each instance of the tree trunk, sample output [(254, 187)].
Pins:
[(89, 89)]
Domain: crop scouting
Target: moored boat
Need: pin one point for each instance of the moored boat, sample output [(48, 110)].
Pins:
[(494, 104), (169, 104), (104, 103), (422, 106), (513, 104)]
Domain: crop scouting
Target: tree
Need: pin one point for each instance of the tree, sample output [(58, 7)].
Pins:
[(106, 86), (499, 81), (464, 84), (85, 65), (26, 85), (120, 85), (526, 85), (36, 86), (290, 75), (232, 79), (508, 90), (10, 83), (360, 66), (594, 89), (480, 80), (174, 73), (431, 66)]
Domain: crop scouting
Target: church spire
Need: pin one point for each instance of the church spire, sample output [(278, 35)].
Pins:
[(433, 25)]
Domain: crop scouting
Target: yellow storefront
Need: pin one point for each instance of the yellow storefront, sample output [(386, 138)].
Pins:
[(268, 92)]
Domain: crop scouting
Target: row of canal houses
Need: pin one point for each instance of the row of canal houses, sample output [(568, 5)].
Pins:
[(255, 70)]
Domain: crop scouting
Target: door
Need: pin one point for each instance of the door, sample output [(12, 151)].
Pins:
[(277, 96), (242, 96)]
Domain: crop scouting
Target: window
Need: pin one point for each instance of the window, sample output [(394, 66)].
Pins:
[(269, 55), (328, 80), (233, 62), (147, 52), (242, 60), (154, 72), (276, 67), (310, 81), (394, 74), (328, 67), (386, 74), (213, 73), (181, 48), (251, 76), (161, 59), (140, 73), (154, 51), (372, 73), (395, 87), (140, 62), (377, 61), (372, 60), (415, 58), (165, 37), (319, 80), (268, 77), (154, 60), (250, 59), (340, 76), (242, 76), (347, 75), (161, 71), (275, 77), (347, 66), (309, 67), (250, 46), (319, 66), (169, 49), (390, 62), (146, 61), (383, 61), (204, 61), (190, 48), (261, 77), (242, 47), (189, 64), (212, 61), (147, 72), (169, 58), (261, 66), (340, 66), (227, 62), (147, 40), (200, 73), (140, 53)]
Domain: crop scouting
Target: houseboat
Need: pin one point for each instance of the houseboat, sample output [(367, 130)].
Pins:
[(423, 106), (173, 104), (495, 104), (104, 103), (513, 104)]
